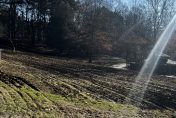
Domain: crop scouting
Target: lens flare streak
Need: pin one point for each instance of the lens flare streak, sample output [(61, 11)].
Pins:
[(138, 90)]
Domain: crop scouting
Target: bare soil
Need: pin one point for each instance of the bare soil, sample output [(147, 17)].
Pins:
[(74, 88)]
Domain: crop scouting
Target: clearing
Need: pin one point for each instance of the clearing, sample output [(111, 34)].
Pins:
[(33, 85)]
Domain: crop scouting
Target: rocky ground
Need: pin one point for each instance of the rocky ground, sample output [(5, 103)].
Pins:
[(39, 86)]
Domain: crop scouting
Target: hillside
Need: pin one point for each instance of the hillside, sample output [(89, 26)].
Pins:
[(38, 86)]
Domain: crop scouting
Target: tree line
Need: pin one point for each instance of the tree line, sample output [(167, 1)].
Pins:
[(85, 28)]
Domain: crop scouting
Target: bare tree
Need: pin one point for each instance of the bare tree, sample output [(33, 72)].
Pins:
[(158, 11)]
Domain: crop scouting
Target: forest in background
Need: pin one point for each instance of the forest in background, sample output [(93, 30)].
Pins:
[(85, 28)]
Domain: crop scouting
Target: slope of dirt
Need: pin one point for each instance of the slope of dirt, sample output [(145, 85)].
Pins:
[(20, 99), (34, 85)]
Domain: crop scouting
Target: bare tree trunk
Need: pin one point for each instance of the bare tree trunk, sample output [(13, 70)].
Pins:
[(12, 24)]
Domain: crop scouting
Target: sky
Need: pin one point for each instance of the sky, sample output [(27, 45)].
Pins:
[(126, 2), (131, 2)]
